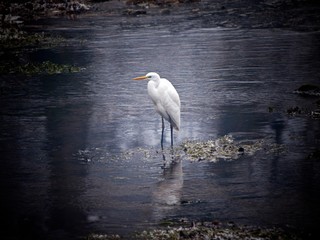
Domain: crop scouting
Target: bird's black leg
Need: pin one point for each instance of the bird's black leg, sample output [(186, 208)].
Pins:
[(162, 134), (171, 129)]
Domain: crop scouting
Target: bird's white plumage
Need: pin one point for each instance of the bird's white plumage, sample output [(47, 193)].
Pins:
[(166, 101), (165, 98)]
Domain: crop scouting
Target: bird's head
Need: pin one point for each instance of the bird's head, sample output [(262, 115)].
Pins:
[(150, 76)]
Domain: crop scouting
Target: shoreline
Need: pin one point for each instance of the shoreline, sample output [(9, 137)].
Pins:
[(298, 15)]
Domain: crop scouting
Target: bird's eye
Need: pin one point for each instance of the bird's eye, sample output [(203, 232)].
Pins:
[(149, 76)]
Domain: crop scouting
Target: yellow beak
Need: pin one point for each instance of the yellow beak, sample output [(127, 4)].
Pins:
[(141, 78)]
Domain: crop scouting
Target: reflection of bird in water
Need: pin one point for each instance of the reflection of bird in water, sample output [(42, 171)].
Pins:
[(167, 193), (166, 100)]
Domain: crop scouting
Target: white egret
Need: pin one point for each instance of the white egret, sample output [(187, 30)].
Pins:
[(166, 101)]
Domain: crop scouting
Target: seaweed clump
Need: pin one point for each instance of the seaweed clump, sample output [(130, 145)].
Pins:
[(13, 38), (210, 230), (226, 148), (46, 67)]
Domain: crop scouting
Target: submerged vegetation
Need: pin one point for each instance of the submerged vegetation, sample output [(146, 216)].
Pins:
[(15, 44), (46, 67), (13, 38), (308, 90), (16, 41), (15, 47)]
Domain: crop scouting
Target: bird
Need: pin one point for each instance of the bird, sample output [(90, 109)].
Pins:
[(166, 101)]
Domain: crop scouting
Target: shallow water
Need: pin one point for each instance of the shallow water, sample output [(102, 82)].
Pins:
[(80, 152)]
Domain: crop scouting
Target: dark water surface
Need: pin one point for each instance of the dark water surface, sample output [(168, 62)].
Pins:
[(79, 152)]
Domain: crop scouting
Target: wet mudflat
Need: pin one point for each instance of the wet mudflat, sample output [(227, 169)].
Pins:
[(81, 151)]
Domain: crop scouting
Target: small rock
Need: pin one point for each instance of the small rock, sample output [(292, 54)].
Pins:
[(314, 155), (165, 11), (308, 89), (270, 109), (241, 150), (315, 114), (134, 12), (294, 110)]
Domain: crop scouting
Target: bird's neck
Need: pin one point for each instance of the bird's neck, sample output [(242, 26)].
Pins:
[(155, 83)]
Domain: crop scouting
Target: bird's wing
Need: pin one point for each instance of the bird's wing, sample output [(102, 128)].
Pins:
[(170, 102)]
